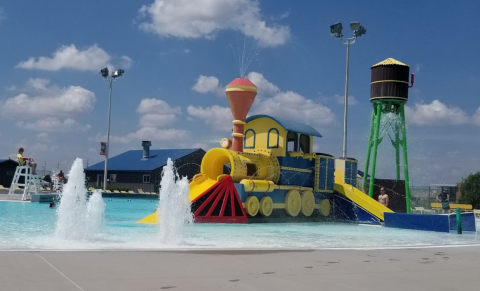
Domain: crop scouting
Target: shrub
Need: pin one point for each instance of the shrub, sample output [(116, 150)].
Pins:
[(471, 190)]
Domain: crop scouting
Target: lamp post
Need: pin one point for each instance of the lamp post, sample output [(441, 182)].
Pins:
[(336, 30), (109, 79)]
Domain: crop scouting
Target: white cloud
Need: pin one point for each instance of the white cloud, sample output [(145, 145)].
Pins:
[(49, 101), (288, 104), (207, 84), (157, 113), (476, 117), (219, 118), (180, 18), (53, 124), (91, 58), (154, 114), (292, 105), (271, 101), (435, 113), (157, 120), (37, 84), (152, 105), (153, 134), (341, 99), (264, 87), (124, 62)]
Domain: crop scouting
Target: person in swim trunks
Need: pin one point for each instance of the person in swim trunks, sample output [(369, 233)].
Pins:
[(383, 197), (444, 198)]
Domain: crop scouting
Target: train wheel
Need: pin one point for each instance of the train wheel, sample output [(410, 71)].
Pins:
[(293, 203), (266, 206), (251, 205), (308, 203), (325, 207)]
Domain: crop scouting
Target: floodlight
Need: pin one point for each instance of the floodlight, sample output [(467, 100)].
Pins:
[(336, 29), (104, 72), (360, 31), (118, 73), (354, 25)]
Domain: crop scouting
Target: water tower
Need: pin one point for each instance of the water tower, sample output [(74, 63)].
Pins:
[(388, 95)]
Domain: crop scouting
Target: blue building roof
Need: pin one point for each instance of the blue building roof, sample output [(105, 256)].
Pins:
[(133, 160), (289, 125)]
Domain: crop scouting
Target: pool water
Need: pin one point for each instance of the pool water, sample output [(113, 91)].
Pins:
[(31, 226)]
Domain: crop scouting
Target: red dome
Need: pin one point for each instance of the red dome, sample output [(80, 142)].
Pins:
[(242, 84)]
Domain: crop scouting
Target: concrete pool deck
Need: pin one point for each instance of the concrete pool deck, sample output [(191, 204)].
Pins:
[(437, 268)]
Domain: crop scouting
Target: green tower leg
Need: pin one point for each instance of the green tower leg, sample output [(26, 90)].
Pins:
[(375, 146), (397, 152), (369, 149), (405, 158)]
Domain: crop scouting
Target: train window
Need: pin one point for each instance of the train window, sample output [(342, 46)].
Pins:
[(251, 170), (249, 140), (305, 143), (273, 137), (292, 142)]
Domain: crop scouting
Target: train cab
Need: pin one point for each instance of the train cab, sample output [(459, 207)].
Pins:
[(292, 144)]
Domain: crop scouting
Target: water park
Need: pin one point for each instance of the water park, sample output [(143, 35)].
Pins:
[(263, 188)]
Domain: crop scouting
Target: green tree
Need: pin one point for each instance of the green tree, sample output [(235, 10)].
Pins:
[(471, 190)]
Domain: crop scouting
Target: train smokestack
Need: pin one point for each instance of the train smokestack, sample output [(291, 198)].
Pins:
[(240, 93)]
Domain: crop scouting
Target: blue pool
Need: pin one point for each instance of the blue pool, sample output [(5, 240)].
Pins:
[(30, 226)]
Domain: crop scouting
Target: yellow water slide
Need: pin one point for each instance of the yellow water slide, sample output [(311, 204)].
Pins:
[(358, 197)]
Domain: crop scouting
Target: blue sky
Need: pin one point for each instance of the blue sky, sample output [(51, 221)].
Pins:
[(178, 56)]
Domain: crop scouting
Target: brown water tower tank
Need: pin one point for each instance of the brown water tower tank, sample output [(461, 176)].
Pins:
[(389, 81)]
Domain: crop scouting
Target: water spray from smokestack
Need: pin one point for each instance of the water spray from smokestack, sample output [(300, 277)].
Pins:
[(240, 93)]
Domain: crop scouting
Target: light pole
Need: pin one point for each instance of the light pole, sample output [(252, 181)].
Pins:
[(336, 30), (109, 79)]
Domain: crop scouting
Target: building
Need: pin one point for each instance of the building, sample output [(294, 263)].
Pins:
[(142, 169), (7, 170)]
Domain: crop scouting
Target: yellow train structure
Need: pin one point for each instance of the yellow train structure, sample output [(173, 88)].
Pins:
[(268, 172)]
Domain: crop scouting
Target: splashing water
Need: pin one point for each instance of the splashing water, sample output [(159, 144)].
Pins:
[(77, 218), (245, 53), (174, 206), (390, 122), (390, 125), (95, 216)]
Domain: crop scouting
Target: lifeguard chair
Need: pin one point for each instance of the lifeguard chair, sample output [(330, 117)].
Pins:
[(57, 184), (31, 183)]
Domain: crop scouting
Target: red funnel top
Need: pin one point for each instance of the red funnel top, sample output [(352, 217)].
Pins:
[(240, 93)]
